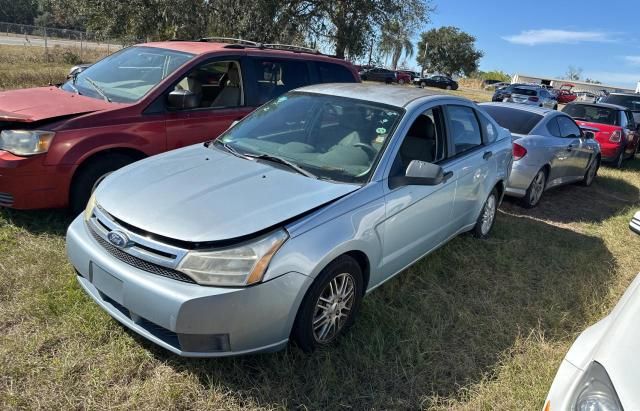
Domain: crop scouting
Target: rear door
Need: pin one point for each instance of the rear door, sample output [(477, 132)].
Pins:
[(472, 162), (578, 150)]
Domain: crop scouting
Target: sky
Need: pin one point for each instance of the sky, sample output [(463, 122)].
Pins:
[(543, 38)]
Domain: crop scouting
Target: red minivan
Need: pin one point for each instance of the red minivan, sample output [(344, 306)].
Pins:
[(618, 133), (58, 143)]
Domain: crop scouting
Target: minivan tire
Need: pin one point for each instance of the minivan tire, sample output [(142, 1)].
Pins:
[(483, 226), (345, 268), (90, 175)]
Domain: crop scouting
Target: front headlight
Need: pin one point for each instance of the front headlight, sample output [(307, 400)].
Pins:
[(595, 391), (88, 211), (26, 142), (240, 265)]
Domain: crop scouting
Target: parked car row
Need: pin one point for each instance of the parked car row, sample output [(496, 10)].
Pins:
[(277, 191), (386, 76)]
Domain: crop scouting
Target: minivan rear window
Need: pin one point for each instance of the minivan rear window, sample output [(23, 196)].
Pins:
[(334, 73), (514, 120)]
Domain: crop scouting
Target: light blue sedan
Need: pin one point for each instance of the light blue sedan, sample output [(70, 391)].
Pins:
[(279, 228)]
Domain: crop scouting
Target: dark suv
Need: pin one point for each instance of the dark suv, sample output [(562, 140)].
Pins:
[(58, 143), (379, 74), (628, 100)]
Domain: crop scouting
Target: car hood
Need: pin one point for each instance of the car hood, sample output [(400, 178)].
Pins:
[(42, 103), (201, 194), (615, 346)]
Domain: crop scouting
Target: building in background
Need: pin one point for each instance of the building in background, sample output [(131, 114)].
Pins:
[(579, 85)]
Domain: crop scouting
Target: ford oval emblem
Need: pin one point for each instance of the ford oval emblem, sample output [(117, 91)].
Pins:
[(118, 238)]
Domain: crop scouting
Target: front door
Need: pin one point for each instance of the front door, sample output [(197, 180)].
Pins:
[(418, 218)]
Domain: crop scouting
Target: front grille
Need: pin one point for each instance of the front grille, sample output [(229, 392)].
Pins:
[(6, 199), (139, 263)]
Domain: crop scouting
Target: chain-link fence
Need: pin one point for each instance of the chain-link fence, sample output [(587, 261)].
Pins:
[(26, 35)]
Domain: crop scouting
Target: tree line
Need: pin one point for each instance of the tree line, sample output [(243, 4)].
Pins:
[(363, 30)]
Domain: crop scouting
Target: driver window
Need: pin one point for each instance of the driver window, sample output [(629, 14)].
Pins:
[(424, 141), (568, 127), (217, 84)]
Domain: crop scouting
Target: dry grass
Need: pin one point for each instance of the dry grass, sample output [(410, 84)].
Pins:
[(475, 325), (29, 66)]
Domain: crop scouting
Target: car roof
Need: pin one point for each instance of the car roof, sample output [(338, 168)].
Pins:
[(626, 94), (377, 93), (603, 105), (523, 107), (203, 47)]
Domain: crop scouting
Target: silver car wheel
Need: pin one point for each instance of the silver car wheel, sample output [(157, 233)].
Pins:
[(333, 308), (537, 187), (488, 215)]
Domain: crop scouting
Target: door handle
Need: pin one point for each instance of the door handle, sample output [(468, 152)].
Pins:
[(487, 155), (447, 176), (570, 147)]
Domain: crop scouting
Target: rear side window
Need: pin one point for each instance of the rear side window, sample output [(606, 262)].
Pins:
[(554, 129), (464, 128), (594, 114), (568, 127), (276, 77), (514, 120), (334, 73), (488, 129)]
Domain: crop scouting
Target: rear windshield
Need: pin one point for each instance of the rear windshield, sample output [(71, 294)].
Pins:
[(593, 114), (514, 120), (524, 91), (631, 102)]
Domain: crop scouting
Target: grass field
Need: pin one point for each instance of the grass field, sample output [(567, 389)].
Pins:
[(476, 325)]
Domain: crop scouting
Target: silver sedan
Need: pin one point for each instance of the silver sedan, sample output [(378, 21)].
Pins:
[(549, 149)]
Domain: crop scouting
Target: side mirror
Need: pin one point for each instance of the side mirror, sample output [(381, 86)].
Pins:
[(183, 99), (421, 173), (589, 135)]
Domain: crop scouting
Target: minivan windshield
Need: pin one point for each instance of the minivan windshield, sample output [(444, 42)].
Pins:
[(127, 75), (329, 137)]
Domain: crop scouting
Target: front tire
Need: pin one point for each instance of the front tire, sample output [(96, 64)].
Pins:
[(536, 188), (91, 175), (330, 306), (487, 217)]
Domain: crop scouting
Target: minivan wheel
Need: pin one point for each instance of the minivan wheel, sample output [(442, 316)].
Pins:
[(330, 306), (487, 216), (91, 175), (536, 188)]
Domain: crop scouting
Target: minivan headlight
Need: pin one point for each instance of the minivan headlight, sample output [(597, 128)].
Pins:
[(595, 391), (26, 142), (239, 265)]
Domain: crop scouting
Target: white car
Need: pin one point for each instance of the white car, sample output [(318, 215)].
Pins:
[(634, 225), (601, 371)]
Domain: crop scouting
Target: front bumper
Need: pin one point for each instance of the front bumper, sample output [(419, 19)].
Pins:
[(26, 183), (563, 386), (188, 319), (634, 225), (520, 179)]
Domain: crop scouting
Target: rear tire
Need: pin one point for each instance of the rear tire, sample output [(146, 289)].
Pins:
[(91, 175), (619, 162), (534, 193), (329, 308), (401, 82), (591, 173), (448, 87), (487, 216)]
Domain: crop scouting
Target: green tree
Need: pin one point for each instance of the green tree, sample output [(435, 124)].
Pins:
[(18, 11), (448, 50), (395, 40)]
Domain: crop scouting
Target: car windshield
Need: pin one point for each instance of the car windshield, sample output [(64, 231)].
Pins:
[(126, 76), (514, 120), (629, 101), (593, 114), (524, 91), (330, 137)]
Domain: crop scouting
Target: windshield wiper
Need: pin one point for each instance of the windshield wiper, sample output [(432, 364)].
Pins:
[(276, 159), (98, 89), (231, 149)]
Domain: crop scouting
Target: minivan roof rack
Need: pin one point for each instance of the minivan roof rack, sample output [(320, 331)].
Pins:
[(241, 43), (291, 47), (230, 40)]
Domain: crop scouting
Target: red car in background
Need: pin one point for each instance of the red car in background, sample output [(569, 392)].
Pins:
[(58, 143), (618, 133), (403, 77), (564, 94)]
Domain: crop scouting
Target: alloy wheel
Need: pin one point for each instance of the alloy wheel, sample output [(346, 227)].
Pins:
[(488, 215), (537, 187), (591, 174), (333, 308)]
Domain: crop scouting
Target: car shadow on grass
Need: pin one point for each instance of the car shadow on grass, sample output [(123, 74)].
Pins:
[(38, 221), (433, 331), (606, 197)]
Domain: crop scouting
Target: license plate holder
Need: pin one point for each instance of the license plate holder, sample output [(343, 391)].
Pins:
[(107, 284)]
